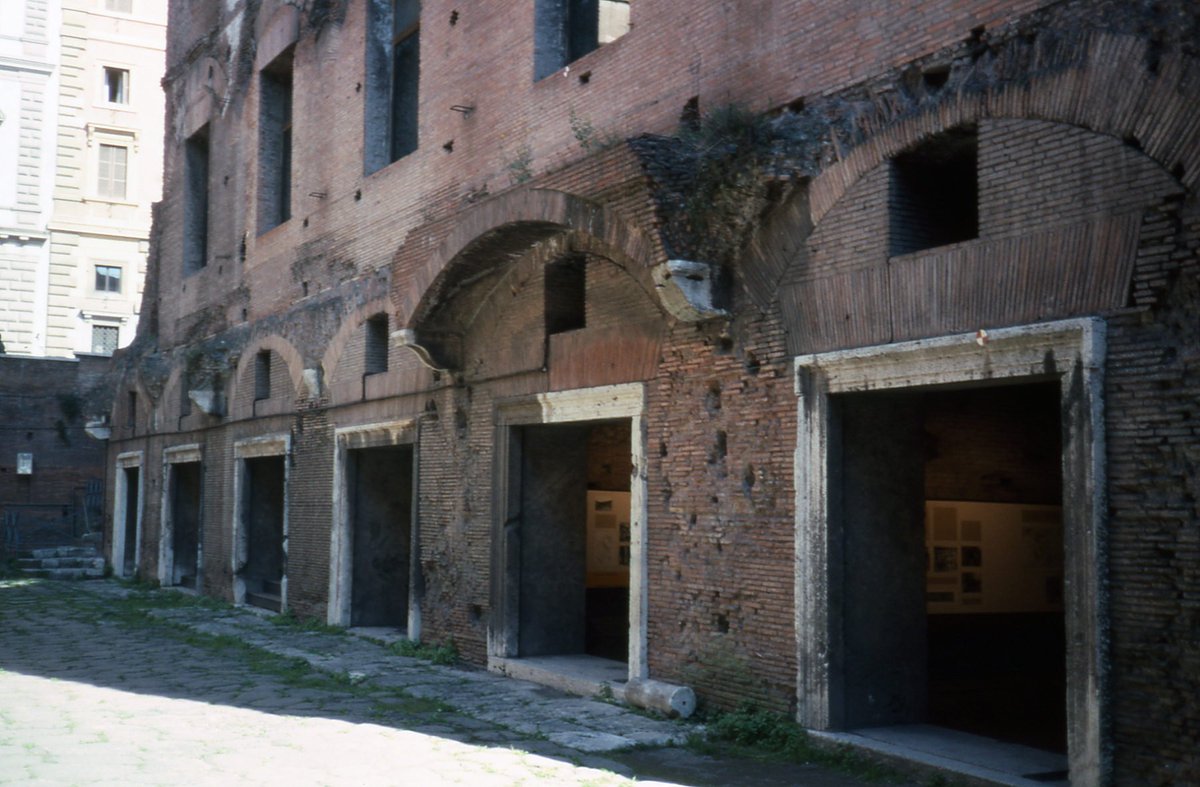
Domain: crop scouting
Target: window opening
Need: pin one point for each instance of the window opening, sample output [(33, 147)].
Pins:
[(565, 295), (131, 411), (104, 339), (113, 170), (275, 143), (262, 375), (116, 85), (108, 278), (393, 82), (376, 349), (196, 202), (566, 30), (934, 197)]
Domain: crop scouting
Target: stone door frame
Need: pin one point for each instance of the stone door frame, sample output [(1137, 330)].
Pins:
[(125, 461), (177, 455), (1070, 351), (255, 448), (341, 539), (626, 401)]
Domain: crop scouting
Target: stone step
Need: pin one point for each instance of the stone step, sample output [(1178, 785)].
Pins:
[(65, 573), (53, 552), (269, 601), (61, 562)]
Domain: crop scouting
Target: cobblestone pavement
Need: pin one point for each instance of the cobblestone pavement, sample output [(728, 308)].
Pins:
[(101, 684)]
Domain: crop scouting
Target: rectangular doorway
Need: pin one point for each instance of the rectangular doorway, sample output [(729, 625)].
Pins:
[(132, 519), (125, 545), (380, 492), (184, 481), (574, 539), (949, 506), (263, 521)]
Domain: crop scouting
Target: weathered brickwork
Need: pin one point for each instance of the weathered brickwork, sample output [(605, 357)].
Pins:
[(45, 404), (1082, 116)]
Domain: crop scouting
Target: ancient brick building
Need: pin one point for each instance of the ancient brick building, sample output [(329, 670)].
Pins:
[(839, 358)]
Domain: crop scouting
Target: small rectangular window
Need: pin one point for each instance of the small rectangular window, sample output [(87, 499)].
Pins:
[(195, 202), (108, 278), (112, 170), (934, 193), (104, 339), (376, 349), (262, 375), (275, 143), (131, 411), (120, 6), (565, 295), (566, 30), (116, 85)]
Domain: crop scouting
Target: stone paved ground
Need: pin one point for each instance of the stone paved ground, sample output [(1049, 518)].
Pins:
[(95, 690)]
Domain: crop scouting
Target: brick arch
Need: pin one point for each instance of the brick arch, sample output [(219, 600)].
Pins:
[(517, 220), (350, 324), (1110, 91), (279, 345)]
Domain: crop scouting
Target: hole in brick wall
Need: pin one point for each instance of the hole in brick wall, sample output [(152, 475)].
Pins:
[(720, 548), (722, 622), (692, 518), (358, 87), (305, 222), (376, 345), (244, 315), (752, 364), (662, 448), (357, 194), (712, 398), (210, 72), (460, 421), (720, 446), (935, 78), (431, 408), (689, 118), (796, 106), (724, 345), (449, 146), (748, 477), (242, 249), (585, 77), (565, 290), (682, 623), (304, 288), (934, 193), (475, 613), (453, 18), (1133, 142), (714, 500)]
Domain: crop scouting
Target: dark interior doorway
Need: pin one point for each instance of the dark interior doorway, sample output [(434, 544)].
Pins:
[(263, 517), (951, 560), (574, 539), (132, 494), (380, 489), (185, 523)]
